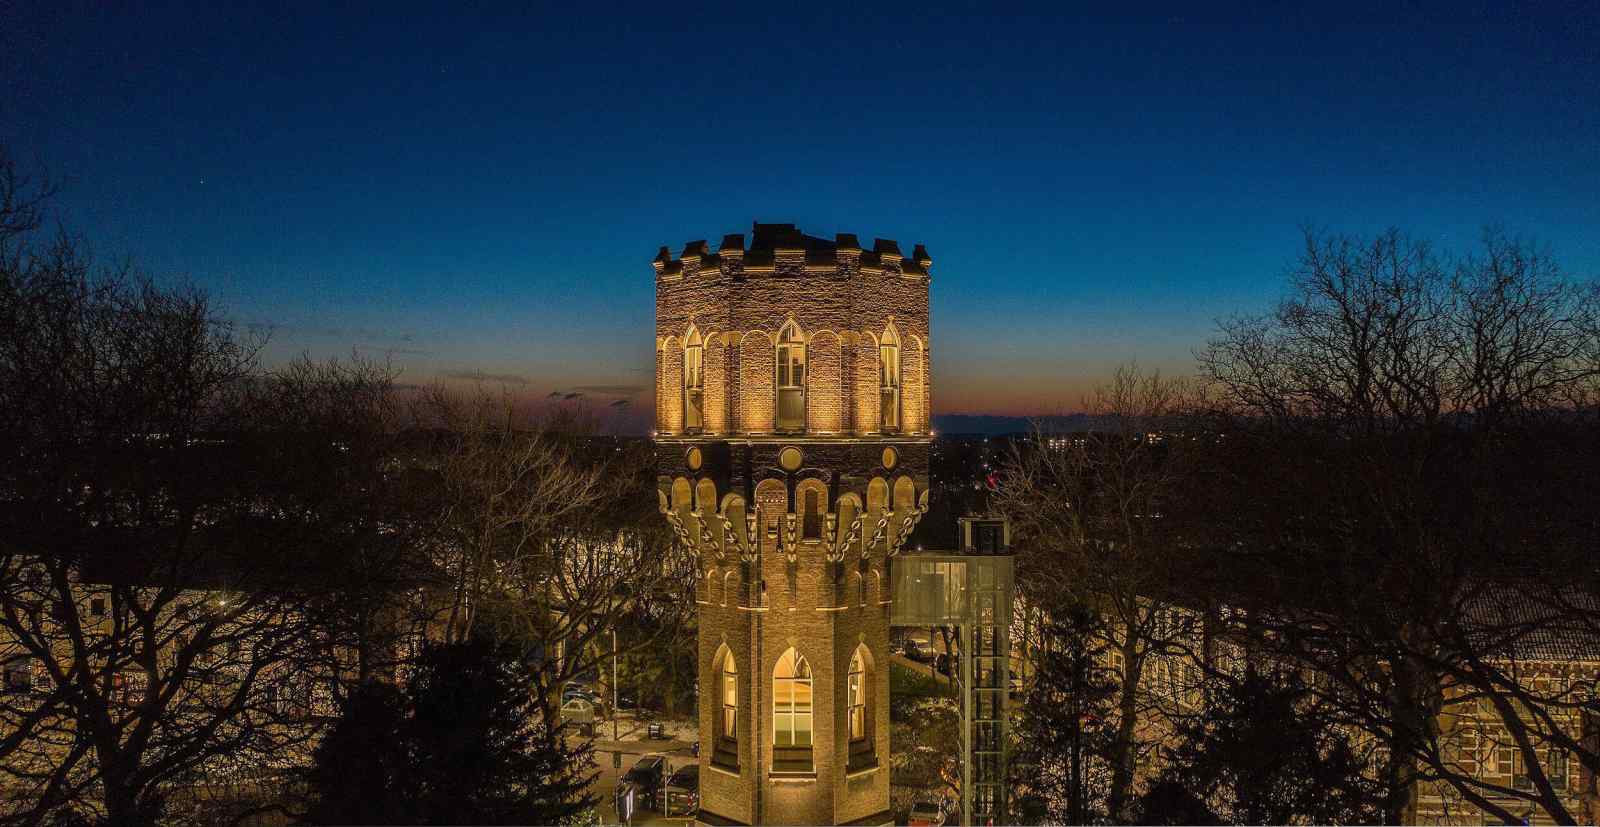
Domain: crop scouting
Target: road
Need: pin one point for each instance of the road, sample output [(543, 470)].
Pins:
[(631, 745)]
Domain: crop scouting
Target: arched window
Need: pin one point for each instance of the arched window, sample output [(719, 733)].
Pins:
[(791, 379), (693, 381), (725, 747), (856, 697), (730, 699), (889, 380), (791, 713), (858, 703), (811, 520)]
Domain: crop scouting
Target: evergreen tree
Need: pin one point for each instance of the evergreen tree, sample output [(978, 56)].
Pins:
[(461, 744), (1262, 753), (359, 770), (1061, 774)]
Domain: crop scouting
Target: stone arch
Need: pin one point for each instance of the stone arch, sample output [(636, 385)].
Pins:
[(705, 496), (858, 589), (824, 383), (682, 494), (757, 393), (905, 494), (917, 394), (716, 383), (877, 495), (669, 386), (732, 510), (848, 508), (811, 507), (772, 502), (730, 587), (865, 382)]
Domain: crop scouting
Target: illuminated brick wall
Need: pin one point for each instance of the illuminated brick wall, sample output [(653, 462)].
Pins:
[(841, 297)]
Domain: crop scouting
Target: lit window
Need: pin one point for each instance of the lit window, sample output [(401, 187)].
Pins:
[(791, 701), (791, 379), (730, 699), (857, 698), (693, 381), (889, 380)]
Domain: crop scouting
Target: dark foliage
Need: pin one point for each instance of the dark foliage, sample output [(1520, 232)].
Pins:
[(1262, 753), (455, 746), (1060, 771)]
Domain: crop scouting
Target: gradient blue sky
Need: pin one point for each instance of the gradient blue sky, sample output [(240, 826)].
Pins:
[(482, 192)]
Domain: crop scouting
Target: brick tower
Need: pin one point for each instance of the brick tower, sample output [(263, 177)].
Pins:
[(792, 436)]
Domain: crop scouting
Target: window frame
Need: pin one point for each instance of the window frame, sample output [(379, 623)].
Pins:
[(785, 718), (890, 382), (694, 382), (789, 376), (856, 697)]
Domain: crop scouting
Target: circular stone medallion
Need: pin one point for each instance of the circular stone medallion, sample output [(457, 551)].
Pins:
[(890, 458), (789, 458), (694, 459)]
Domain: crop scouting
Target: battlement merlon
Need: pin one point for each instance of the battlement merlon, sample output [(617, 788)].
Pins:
[(783, 250)]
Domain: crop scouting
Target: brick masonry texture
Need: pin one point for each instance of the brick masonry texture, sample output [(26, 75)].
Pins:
[(756, 606)]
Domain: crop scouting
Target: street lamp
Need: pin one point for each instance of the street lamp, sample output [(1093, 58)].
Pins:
[(615, 712)]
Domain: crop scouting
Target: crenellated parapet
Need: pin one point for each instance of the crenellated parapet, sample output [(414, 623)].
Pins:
[(781, 519), (783, 250), (794, 334)]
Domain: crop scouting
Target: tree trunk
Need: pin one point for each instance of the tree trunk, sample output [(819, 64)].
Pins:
[(1122, 754)]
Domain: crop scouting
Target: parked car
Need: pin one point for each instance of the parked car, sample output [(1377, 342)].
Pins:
[(927, 813), (579, 713), (585, 692), (648, 777), (920, 651), (683, 791)]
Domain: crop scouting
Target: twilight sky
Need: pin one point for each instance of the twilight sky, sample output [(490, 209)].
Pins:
[(482, 193)]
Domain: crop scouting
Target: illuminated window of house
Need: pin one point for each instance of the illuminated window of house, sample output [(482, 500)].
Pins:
[(889, 380), (791, 379), (791, 713), (693, 381)]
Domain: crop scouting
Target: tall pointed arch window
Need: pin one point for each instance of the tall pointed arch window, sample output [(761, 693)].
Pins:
[(889, 380), (856, 697), (693, 382), (791, 713), (725, 750), (858, 705), (730, 699), (791, 379)]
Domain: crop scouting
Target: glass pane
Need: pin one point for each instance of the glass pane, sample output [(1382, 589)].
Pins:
[(802, 729), (802, 696), (783, 693), (782, 729)]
